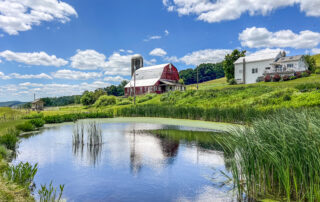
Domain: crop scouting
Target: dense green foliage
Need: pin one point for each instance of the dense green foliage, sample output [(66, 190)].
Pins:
[(22, 174), (38, 123), (206, 72), (3, 152), (278, 155), (61, 101), (10, 139), (50, 194), (26, 127), (105, 101), (116, 90), (311, 61), (228, 63), (74, 117)]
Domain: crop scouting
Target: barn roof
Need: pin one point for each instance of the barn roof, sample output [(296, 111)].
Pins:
[(147, 76), (290, 58)]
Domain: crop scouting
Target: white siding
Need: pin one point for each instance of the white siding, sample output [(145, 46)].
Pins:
[(250, 76)]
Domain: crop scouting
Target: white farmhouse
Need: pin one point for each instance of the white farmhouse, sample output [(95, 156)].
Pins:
[(254, 68)]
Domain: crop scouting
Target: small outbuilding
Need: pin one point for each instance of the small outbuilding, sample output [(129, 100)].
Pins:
[(154, 79), (37, 105)]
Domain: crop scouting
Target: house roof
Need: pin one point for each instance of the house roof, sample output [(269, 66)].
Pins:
[(147, 76), (289, 58), (37, 101), (258, 57)]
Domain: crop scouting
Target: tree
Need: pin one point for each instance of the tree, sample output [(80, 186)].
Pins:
[(206, 72), (311, 63), (87, 98), (228, 63)]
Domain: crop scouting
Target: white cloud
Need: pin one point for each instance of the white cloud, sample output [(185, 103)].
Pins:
[(88, 60), (166, 32), (30, 76), (114, 79), (118, 64), (21, 15), (35, 58), (25, 91), (261, 38), (150, 62), (130, 51), (267, 51), (75, 75), (204, 56), (3, 76), (315, 51), (158, 52), (217, 11), (152, 38)]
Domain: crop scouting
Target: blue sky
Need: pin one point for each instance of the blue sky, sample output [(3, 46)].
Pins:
[(55, 48)]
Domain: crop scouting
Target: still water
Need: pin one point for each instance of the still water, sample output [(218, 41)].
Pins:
[(128, 165)]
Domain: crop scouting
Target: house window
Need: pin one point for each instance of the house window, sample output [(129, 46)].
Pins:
[(290, 65), (254, 70), (240, 71)]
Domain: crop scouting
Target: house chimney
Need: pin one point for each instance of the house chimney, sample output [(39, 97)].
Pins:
[(136, 63)]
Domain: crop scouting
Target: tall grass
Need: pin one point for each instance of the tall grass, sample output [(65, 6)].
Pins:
[(50, 194), (10, 139), (22, 174), (278, 155), (232, 115)]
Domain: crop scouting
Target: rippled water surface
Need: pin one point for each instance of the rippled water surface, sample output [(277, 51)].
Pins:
[(128, 165)]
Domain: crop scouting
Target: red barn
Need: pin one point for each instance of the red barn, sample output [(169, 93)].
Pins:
[(155, 79)]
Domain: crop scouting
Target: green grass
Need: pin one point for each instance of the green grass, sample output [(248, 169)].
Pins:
[(278, 156)]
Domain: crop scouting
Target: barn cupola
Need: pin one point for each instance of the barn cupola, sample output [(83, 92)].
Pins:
[(136, 63)]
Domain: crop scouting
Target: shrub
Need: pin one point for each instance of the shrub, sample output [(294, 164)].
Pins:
[(3, 152), (267, 78), (26, 127), (285, 78), (286, 97), (304, 74), (298, 74), (125, 102), (106, 101), (232, 82), (276, 78), (317, 71), (50, 194), (307, 87), (308, 72), (10, 139), (145, 98), (37, 122), (293, 77), (22, 174)]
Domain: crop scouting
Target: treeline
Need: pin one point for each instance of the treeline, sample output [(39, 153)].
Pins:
[(206, 72), (61, 101)]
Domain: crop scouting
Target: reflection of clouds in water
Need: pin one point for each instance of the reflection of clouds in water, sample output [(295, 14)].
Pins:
[(208, 158), (55, 141), (209, 194)]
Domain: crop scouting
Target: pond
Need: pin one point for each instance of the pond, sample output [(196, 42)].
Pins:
[(126, 163)]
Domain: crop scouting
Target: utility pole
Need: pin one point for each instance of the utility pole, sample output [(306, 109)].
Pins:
[(197, 78), (134, 84)]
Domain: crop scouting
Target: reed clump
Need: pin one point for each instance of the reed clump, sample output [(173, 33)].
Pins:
[(50, 194), (22, 174), (278, 155)]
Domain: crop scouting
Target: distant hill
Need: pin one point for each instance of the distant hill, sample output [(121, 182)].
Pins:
[(11, 103)]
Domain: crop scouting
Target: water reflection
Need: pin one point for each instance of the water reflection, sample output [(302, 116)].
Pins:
[(122, 162), (87, 139)]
